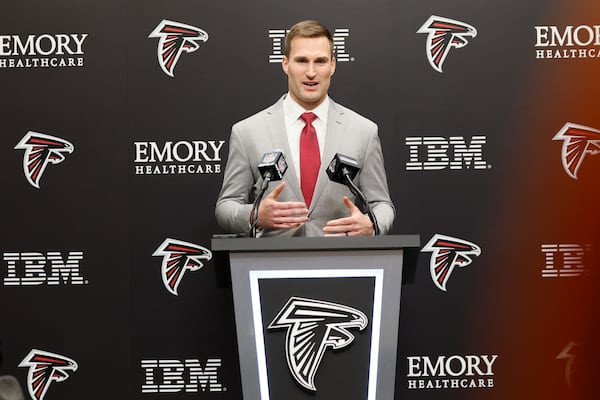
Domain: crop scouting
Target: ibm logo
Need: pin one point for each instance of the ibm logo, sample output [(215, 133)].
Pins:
[(30, 269), (435, 153), (339, 45), (181, 376), (564, 260)]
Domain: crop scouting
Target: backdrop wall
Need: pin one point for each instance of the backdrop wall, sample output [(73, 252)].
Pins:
[(112, 148)]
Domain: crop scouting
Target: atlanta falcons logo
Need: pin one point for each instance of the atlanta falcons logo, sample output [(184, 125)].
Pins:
[(448, 253), (578, 141), (569, 354), (442, 35), (179, 257), (312, 327), (45, 368), (41, 150), (175, 38)]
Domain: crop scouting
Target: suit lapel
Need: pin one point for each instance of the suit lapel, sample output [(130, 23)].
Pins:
[(333, 140), (277, 134)]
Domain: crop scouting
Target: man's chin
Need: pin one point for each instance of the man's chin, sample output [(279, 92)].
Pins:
[(312, 101)]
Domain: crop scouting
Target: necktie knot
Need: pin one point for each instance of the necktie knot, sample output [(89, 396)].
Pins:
[(308, 117)]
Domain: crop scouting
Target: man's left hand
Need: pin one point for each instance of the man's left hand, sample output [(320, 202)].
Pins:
[(357, 224)]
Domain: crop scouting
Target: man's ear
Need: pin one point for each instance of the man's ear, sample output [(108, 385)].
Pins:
[(284, 64), (333, 64)]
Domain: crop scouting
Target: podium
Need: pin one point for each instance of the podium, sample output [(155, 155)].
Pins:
[(317, 318)]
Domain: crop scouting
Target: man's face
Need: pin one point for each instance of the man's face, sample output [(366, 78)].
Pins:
[(309, 68)]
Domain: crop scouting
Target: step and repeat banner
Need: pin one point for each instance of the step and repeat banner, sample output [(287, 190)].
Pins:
[(115, 123)]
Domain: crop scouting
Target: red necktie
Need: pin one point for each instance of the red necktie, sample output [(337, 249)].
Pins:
[(310, 157)]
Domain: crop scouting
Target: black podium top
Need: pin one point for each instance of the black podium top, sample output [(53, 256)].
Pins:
[(384, 242)]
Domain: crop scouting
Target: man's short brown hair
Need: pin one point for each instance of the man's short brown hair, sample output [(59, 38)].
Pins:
[(307, 29)]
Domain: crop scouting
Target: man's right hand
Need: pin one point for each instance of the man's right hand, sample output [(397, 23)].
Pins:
[(274, 214)]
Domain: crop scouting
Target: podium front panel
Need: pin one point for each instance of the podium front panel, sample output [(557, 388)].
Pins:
[(317, 324)]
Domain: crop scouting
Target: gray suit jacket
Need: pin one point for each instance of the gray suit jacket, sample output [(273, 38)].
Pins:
[(348, 133)]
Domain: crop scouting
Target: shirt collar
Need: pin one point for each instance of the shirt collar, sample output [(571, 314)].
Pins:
[(293, 110)]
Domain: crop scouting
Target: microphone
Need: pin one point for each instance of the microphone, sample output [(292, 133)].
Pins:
[(342, 169), (272, 167), (341, 166)]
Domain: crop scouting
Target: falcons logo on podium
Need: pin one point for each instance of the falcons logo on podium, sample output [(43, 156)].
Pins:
[(45, 368), (179, 257), (448, 253), (444, 34), (312, 327), (174, 39), (578, 141), (41, 150)]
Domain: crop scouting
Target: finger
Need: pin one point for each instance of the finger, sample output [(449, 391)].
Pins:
[(290, 220), (275, 193), (335, 234), (351, 206), (278, 213), (345, 222), (285, 226), (339, 230), (286, 205)]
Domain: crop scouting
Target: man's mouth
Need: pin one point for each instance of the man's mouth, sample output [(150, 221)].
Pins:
[(310, 84)]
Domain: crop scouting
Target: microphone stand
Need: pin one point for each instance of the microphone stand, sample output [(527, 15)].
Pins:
[(257, 200), (358, 193)]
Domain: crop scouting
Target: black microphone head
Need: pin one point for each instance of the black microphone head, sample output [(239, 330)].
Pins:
[(273, 164), (341, 164)]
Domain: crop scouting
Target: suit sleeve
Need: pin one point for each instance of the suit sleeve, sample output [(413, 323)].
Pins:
[(373, 183), (233, 206)]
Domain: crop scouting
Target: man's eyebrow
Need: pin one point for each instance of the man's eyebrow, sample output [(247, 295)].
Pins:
[(318, 59)]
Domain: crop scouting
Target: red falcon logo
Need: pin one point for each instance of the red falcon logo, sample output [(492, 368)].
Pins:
[(45, 368), (448, 253), (442, 35), (179, 257), (578, 141), (312, 327), (569, 353), (41, 150), (175, 38)]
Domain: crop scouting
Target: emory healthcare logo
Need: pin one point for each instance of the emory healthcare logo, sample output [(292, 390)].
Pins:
[(41, 150), (45, 368), (46, 50), (175, 38), (179, 257), (442, 35), (448, 253), (451, 372), (578, 141), (181, 157), (312, 327), (567, 42)]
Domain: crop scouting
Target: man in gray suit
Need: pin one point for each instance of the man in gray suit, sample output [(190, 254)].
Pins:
[(310, 129)]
